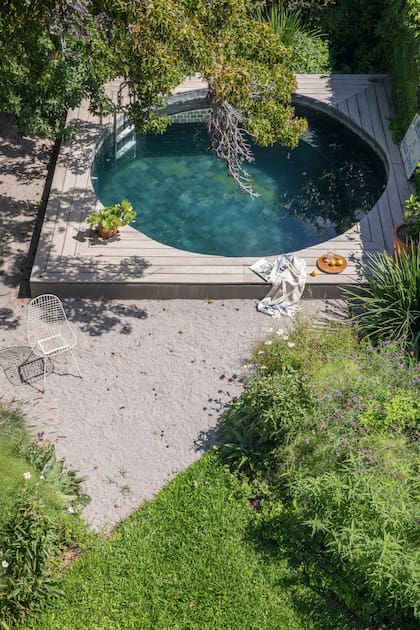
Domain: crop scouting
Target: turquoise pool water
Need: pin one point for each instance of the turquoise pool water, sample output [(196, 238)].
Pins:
[(184, 197)]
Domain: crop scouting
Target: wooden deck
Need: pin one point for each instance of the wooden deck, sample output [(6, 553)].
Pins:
[(70, 263)]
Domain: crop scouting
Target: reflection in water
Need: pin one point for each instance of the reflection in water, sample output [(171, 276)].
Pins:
[(326, 201)]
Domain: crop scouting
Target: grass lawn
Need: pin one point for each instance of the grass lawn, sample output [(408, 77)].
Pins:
[(13, 465), (189, 559)]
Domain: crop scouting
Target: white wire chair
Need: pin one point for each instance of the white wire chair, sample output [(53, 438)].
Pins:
[(48, 330)]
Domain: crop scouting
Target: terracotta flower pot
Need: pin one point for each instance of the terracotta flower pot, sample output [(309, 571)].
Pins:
[(105, 235), (400, 239)]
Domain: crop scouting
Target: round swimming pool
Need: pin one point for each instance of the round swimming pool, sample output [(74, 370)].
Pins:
[(184, 197)]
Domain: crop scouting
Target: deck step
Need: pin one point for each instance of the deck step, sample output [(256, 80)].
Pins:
[(131, 144), (126, 131)]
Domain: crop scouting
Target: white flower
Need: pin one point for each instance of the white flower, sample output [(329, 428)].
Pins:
[(71, 510), (280, 332), (268, 343), (269, 330), (286, 337), (260, 352), (4, 564), (41, 477), (290, 344), (27, 475)]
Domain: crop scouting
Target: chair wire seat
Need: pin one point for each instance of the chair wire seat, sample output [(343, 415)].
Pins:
[(48, 330)]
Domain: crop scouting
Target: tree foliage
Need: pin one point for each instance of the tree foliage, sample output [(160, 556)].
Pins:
[(46, 67), (54, 53)]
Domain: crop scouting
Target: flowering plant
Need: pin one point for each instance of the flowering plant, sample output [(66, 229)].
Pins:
[(412, 216)]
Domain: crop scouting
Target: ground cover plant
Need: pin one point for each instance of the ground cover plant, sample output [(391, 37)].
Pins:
[(326, 434), (388, 305), (189, 559), (39, 519)]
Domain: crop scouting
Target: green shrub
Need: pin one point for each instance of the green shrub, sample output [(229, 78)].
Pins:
[(360, 524), (28, 556), (338, 452), (256, 423), (389, 306), (399, 27), (42, 457), (376, 36), (39, 518), (310, 53), (417, 179)]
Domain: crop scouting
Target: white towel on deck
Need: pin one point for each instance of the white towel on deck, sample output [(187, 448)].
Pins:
[(288, 277)]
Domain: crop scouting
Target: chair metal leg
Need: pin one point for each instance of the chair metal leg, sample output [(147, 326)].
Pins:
[(45, 373), (77, 365)]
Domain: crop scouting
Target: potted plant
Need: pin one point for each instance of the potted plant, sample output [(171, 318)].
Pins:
[(407, 234), (107, 220)]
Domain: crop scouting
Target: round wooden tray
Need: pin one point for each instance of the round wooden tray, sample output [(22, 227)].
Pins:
[(323, 266)]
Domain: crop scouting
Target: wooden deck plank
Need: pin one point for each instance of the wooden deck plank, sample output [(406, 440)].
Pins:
[(386, 221), (365, 229), (376, 227), (343, 108), (393, 150), (394, 198), (188, 278), (152, 248), (194, 261), (365, 120), (375, 116), (404, 190), (354, 113)]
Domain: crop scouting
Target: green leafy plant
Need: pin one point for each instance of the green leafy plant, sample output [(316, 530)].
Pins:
[(388, 307), (42, 457), (257, 421), (28, 560), (40, 518), (412, 216), (334, 464), (362, 520), (309, 51), (112, 217)]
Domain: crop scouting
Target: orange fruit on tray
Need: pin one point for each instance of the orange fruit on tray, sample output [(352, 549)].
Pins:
[(331, 263)]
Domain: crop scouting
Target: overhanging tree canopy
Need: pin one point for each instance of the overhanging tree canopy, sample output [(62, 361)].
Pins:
[(54, 53)]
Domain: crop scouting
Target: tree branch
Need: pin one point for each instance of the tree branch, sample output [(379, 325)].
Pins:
[(228, 142)]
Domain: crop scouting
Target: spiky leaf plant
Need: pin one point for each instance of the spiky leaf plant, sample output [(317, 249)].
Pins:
[(388, 307)]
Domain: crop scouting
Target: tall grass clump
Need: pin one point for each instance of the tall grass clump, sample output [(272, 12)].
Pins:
[(39, 519), (327, 435), (310, 52), (388, 307)]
